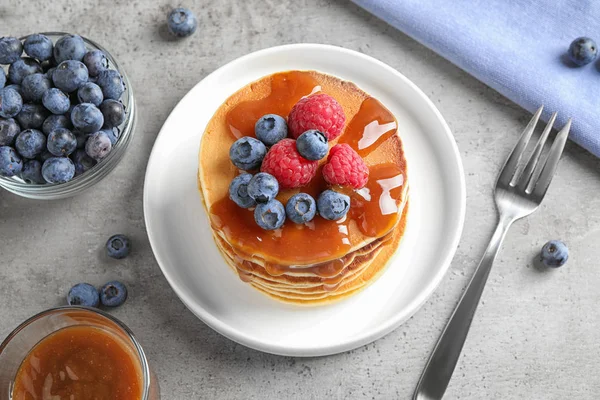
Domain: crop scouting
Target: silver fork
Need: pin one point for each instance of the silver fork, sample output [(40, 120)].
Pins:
[(517, 195)]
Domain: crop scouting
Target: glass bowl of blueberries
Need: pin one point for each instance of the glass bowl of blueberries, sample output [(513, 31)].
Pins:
[(67, 114)]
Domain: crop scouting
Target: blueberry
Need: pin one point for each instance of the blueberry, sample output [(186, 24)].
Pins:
[(238, 191), (34, 86), (554, 254), (83, 294), (32, 172), (10, 50), (98, 145), (56, 101), (111, 83), (58, 170), (247, 153), (270, 215), (21, 68), (182, 22), (118, 246), (30, 143), (89, 92), (9, 130), (333, 205), (312, 145), (582, 51), (61, 142), (32, 116), (11, 102), (69, 47), (70, 75), (82, 161), (2, 78), (54, 122), (87, 118), (95, 61), (38, 46), (301, 208), (113, 112), (15, 87), (113, 135), (10, 162), (263, 187), (270, 129), (113, 294)]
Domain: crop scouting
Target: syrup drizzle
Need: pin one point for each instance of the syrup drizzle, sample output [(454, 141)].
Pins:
[(286, 89), (371, 126)]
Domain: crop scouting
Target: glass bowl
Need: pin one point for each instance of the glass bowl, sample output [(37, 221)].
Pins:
[(95, 174), (17, 345)]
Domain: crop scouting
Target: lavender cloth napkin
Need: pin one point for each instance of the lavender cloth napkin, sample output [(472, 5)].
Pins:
[(517, 47)]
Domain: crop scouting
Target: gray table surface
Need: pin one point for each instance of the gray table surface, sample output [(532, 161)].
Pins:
[(536, 334)]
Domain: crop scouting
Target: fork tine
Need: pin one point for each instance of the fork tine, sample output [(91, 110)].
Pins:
[(549, 167), (535, 156), (512, 162)]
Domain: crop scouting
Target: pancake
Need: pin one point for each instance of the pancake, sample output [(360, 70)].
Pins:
[(321, 261), (382, 152), (370, 274), (348, 282)]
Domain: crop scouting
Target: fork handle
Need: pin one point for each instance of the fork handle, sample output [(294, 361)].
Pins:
[(445, 355)]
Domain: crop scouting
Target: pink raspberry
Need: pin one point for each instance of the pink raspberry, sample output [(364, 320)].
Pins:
[(345, 167), (319, 111), (287, 165)]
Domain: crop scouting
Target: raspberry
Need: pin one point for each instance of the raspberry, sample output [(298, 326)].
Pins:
[(287, 165), (321, 112), (345, 167)]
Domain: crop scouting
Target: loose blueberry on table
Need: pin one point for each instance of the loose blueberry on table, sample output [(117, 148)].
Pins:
[(554, 254), (83, 294), (118, 246), (181, 22), (582, 51), (49, 108), (113, 294)]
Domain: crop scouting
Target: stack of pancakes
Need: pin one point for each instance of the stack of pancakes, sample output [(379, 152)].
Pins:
[(322, 261)]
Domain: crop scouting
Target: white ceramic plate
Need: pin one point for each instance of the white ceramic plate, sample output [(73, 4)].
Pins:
[(180, 235)]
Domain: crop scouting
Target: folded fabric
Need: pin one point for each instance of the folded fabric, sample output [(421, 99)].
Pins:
[(516, 47)]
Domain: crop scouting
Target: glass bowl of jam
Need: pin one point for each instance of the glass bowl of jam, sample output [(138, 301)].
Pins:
[(74, 353), (101, 169)]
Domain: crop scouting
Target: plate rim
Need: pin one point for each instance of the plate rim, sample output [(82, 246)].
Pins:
[(368, 335)]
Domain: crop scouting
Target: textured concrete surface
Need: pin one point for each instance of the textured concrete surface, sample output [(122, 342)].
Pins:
[(536, 333)]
